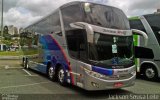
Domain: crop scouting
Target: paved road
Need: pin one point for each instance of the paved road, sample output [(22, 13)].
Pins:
[(24, 86), (11, 63)]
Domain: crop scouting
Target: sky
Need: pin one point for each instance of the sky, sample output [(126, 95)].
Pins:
[(21, 13)]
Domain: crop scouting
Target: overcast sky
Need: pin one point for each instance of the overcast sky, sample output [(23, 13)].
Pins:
[(21, 13)]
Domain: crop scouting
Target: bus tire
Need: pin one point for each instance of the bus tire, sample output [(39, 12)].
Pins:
[(26, 66), (51, 73), (61, 76), (150, 72), (23, 62)]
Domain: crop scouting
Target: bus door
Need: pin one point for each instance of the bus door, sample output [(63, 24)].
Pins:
[(77, 48)]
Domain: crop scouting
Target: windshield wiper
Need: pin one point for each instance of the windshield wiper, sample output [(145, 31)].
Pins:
[(96, 62)]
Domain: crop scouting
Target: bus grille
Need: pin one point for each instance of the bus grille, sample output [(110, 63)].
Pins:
[(117, 77)]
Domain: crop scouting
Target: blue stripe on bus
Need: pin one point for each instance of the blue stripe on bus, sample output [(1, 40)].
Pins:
[(103, 71), (56, 52)]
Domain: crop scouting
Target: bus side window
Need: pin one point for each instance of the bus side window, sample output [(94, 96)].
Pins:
[(76, 41), (71, 14)]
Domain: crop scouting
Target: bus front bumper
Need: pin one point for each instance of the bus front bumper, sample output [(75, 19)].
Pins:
[(93, 83)]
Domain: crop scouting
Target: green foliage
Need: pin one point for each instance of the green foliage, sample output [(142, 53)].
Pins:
[(10, 53), (8, 38), (16, 35), (6, 35), (7, 42), (29, 51), (5, 30)]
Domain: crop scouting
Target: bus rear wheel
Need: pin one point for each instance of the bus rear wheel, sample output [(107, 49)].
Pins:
[(61, 76), (23, 62), (150, 73), (51, 73), (26, 66)]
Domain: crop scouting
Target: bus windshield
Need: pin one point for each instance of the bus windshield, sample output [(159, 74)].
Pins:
[(111, 50), (105, 16)]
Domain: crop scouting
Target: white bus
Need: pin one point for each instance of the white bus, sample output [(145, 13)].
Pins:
[(150, 24), (85, 44)]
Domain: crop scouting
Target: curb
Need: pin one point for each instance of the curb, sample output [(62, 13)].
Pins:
[(16, 57), (10, 57)]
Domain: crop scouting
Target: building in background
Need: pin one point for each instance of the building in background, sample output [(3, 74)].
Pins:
[(11, 38), (12, 30), (158, 11), (21, 30), (3, 47)]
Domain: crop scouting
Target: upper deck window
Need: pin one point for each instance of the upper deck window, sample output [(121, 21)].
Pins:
[(137, 24), (71, 14), (154, 22)]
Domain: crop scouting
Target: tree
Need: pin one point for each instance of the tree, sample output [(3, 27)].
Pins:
[(5, 30), (8, 43), (6, 35)]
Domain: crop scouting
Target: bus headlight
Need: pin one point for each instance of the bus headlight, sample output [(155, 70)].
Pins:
[(94, 74), (133, 72)]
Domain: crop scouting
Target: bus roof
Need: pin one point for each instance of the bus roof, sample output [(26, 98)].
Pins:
[(133, 18), (138, 17), (65, 5)]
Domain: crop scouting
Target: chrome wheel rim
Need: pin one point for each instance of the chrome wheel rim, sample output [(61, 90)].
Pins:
[(50, 72), (24, 64), (61, 75), (27, 66), (150, 73)]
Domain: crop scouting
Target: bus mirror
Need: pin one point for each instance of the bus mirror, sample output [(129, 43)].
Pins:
[(138, 32), (89, 29), (76, 25), (90, 33), (142, 52)]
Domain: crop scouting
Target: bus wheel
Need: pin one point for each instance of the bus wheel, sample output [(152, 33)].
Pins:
[(150, 73), (26, 66), (61, 76), (23, 62), (51, 73)]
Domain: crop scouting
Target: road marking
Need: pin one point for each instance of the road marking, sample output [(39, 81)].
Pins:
[(15, 67), (16, 86), (9, 67), (6, 67), (30, 75), (27, 72)]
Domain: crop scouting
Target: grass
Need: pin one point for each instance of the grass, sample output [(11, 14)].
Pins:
[(30, 52), (18, 53), (10, 53)]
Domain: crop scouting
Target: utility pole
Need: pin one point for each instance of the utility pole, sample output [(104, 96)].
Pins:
[(2, 21)]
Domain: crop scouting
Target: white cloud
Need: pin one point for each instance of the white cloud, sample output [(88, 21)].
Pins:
[(8, 4), (24, 12), (136, 7), (122, 4), (133, 7), (16, 18), (41, 7)]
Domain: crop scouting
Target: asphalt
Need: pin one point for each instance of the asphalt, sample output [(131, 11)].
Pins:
[(10, 63), (20, 84)]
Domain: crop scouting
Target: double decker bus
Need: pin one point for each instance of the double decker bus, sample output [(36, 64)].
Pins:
[(85, 44), (150, 24)]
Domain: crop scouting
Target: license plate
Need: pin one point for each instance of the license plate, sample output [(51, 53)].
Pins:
[(118, 84)]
